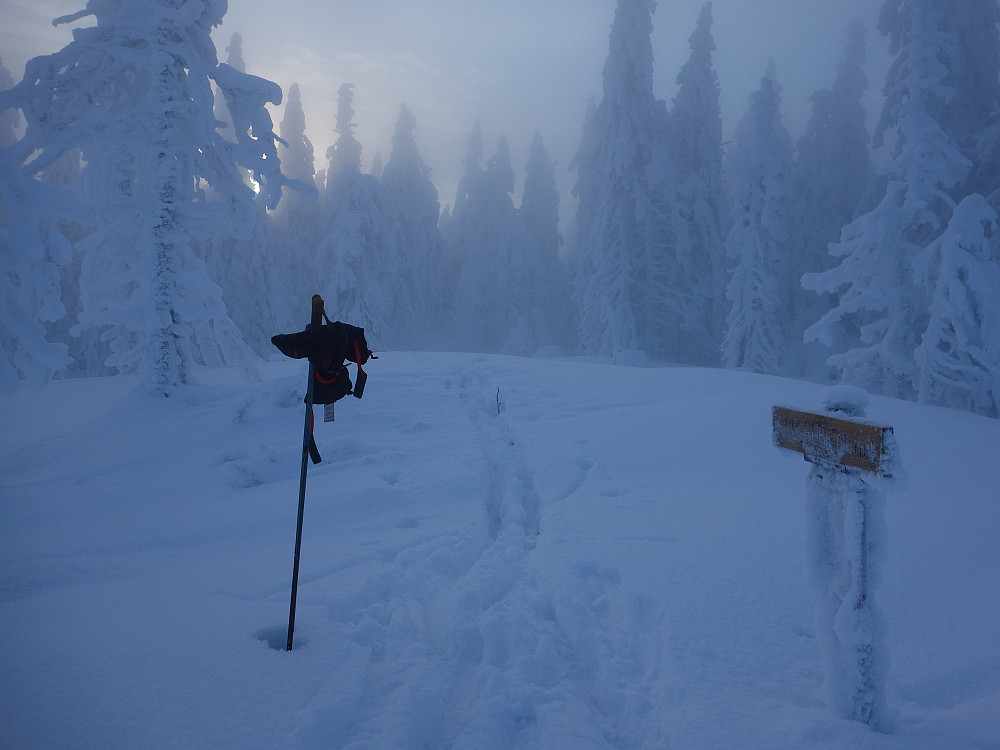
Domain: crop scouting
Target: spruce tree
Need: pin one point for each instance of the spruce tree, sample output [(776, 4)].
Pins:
[(134, 94), (545, 312), (359, 257), (298, 223), (244, 258), (959, 354), (234, 58), (32, 254), (757, 243), (472, 172), (621, 247), (485, 237), (416, 209), (970, 113), (345, 153), (454, 225), (695, 136), (875, 326), (10, 118), (832, 170)]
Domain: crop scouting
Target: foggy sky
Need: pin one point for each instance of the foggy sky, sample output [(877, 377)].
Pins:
[(519, 65)]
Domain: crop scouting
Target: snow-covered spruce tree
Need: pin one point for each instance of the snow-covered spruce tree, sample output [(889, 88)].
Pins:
[(345, 154), (358, 260), (298, 222), (32, 253), (408, 181), (540, 199), (832, 170), (85, 349), (234, 59), (244, 258), (622, 244), (10, 118), (86, 352), (974, 124), (545, 312), (486, 237), (695, 133), (971, 115), (586, 191), (881, 308), (296, 150), (959, 355), (453, 230), (472, 171), (760, 287), (35, 258), (134, 94)]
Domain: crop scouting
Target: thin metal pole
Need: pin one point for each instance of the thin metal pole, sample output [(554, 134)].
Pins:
[(315, 321), (306, 435)]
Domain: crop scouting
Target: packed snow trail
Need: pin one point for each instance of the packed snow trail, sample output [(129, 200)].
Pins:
[(453, 643)]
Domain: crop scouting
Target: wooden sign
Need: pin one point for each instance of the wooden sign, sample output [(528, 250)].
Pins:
[(818, 436)]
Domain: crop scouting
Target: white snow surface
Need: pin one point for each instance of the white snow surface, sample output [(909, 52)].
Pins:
[(616, 559)]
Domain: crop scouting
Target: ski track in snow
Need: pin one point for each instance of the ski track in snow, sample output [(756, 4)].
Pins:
[(454, 643)]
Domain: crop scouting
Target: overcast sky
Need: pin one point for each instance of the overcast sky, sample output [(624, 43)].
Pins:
[(518, 65)]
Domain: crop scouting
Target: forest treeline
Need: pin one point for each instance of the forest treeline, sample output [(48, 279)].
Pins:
[(153, 221)]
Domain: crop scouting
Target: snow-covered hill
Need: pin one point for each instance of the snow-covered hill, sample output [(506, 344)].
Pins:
[(498, 553)]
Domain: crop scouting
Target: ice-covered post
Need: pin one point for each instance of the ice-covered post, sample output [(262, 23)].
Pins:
[(844, 542)]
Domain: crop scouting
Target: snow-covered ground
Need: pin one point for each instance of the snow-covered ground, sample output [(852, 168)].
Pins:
[(616, 559)]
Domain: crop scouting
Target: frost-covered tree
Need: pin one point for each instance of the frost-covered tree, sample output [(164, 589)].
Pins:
[(85, 349), (243, 258), (832, 170), (345, 153), (485, 235), (32, 252), (509, 294), (234, 58), (959, 355), (298, 220), (237, 261), (545, 315), (453, 226), (416, 210), (757, 243), (970, 114), (622, 249), (295, 149), (10, 118), (540, 200), (972, 117), (134, 94), (695, 137), (472, 171), (880, 313), (358, 259)]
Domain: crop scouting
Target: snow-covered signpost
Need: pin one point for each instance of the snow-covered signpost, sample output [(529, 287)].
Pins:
[(844, 541)]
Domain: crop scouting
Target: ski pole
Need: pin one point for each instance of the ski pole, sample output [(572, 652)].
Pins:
[(316, 321)]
